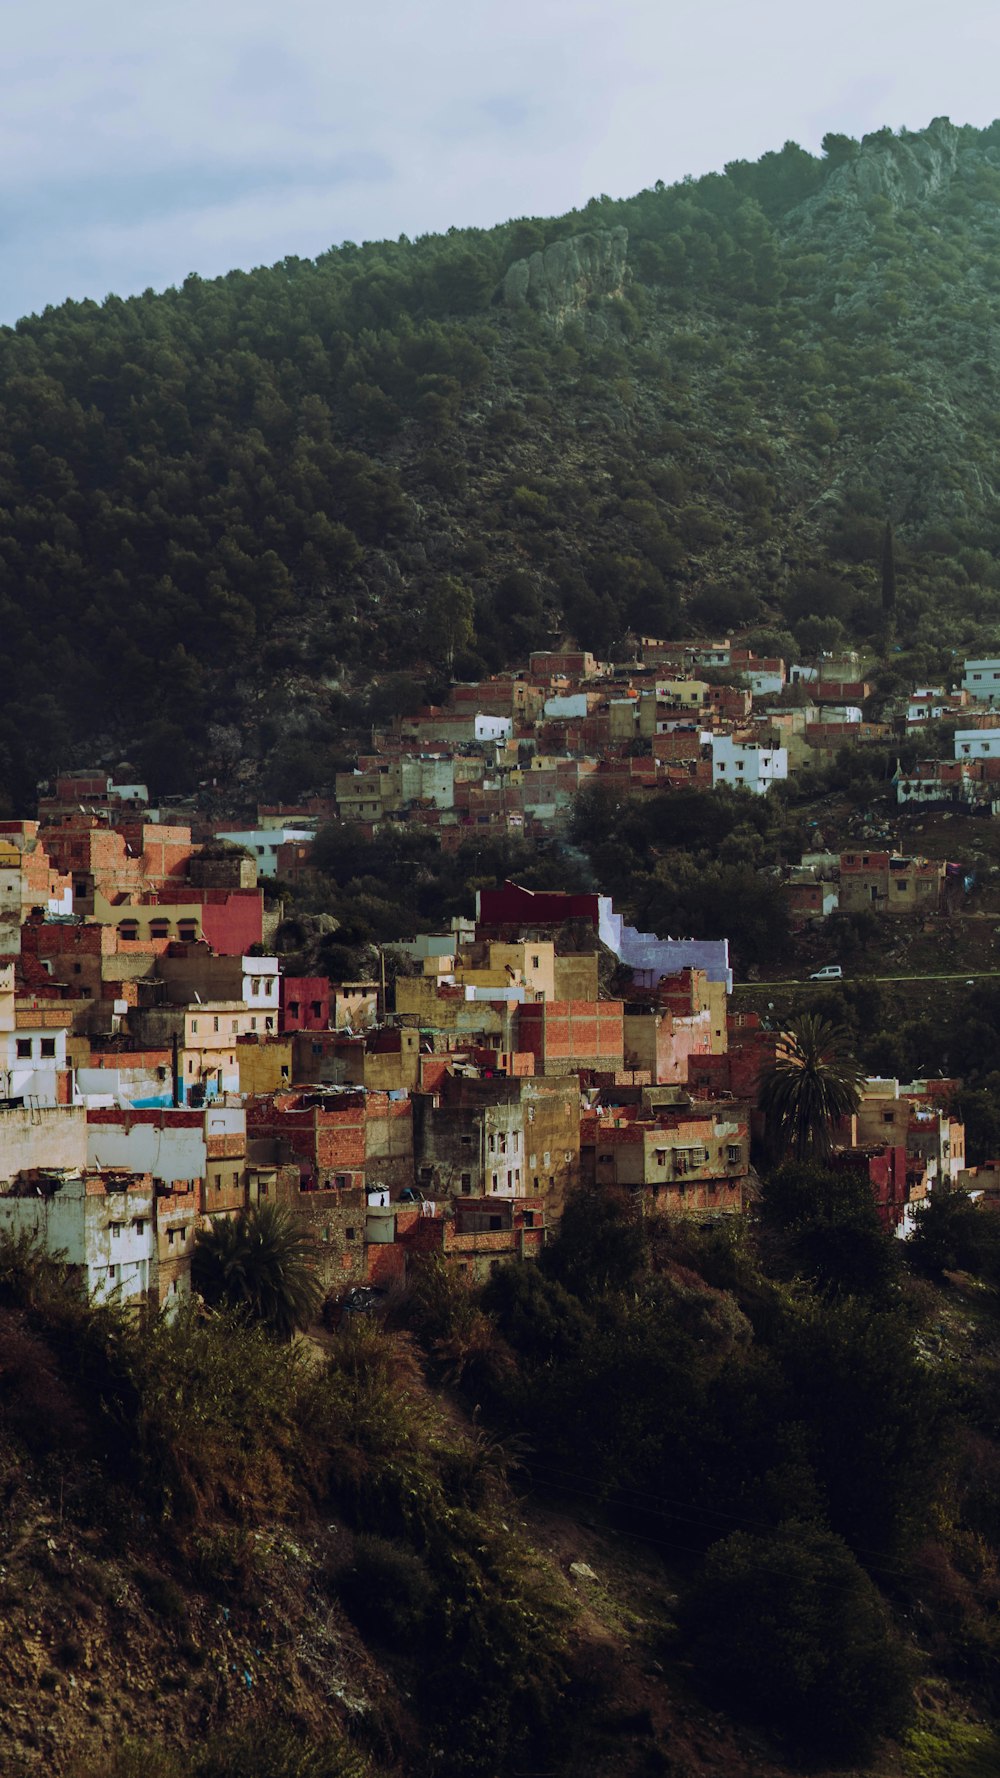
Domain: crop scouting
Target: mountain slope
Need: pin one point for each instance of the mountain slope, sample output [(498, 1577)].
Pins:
[(693, 407)]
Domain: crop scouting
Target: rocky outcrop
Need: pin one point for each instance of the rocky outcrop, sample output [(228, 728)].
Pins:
[(564, 276), (904, 169)]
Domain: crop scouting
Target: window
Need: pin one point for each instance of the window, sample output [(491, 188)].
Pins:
[(269, 1023), (341, 1181), (236, 1176), (48, 1046), (114, 1229), (494, 1181), (529, 1219), (466, 1141), (76, 968), (215, 1022), (317, 1009), (194, 1026), (253, 1024), (170, 1237), (350, 1233), (139, 1225), (293, 1008), (466, 1182), (733, 1152), (24, 1048), (536, 962)]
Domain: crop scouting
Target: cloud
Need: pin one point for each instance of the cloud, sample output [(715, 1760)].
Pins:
[(138, 142)]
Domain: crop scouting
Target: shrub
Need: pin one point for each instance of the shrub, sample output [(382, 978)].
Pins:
[(387, 1590), (788, 1630)]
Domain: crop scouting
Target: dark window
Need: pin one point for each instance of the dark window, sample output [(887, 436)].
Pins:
[(496, 1222), (24, 1048), (349, 1233), (466, 1181), (317, 1009), (48, 1046)]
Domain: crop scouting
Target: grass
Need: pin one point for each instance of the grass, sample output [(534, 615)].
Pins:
[(938, 1747)]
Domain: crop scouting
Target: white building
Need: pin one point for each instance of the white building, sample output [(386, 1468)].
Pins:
[(981, 679), (977, 743), (746, 765), (565, 704), (927, 704), (493, 728), (31, 1055), (107, 1235), (765, 682), (650, 957)]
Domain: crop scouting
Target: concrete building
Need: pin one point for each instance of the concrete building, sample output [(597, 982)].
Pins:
[(746, 765), (886, 883), (101, 1223), (681, 1164), (977, 743), (981, 679), (266, 842), (499, 1138)]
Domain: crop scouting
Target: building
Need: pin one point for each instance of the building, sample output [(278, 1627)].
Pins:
[(499, 1137), (102, 1223), (981, 679), (887, 883), (746, 765)]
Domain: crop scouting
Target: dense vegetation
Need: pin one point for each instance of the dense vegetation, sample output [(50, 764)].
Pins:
[(235, 502), (816, 1579)]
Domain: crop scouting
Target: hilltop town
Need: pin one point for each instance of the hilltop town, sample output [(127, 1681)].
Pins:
[(165, 1063)]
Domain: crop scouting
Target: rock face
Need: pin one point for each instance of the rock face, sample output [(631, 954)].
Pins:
[(563, 277), (903, 170)]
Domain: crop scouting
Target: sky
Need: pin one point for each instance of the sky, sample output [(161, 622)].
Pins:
[(141, 140)]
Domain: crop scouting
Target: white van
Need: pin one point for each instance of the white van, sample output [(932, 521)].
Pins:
[(831, 972)]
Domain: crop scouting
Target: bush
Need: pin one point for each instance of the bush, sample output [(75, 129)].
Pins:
[(386, 1590), (789, 1631)]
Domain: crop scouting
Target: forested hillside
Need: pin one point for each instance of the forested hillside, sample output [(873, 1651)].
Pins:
[(694, 407), (415, 1547)]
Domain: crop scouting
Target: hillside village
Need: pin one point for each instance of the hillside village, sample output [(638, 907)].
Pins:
[(162, 1065)]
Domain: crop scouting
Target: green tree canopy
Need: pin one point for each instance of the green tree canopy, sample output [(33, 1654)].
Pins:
[(814, 1082)]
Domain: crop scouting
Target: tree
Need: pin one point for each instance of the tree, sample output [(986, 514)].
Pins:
[(448, 618), (814, 1082), (823, 1224), (261, 1265), (888, 571), (788, 1629)]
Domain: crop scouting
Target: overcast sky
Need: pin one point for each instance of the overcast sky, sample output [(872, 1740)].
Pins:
[(144, 139)]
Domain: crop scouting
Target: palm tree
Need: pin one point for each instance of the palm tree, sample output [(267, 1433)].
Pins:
[(814, 1082), (261, 1264)]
